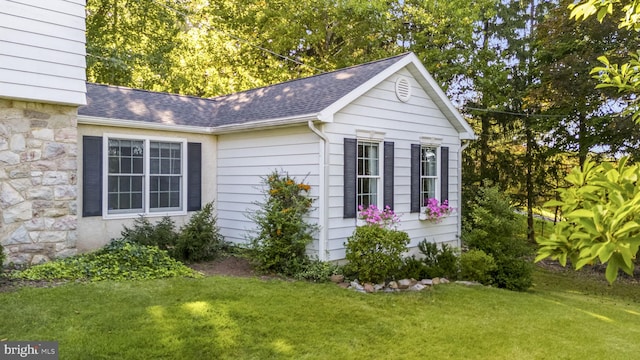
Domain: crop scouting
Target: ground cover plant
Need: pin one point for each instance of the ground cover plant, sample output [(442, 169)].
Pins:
[(119, 260), (248, 318)]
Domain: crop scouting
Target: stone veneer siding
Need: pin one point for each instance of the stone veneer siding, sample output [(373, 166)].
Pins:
[(38, 175)]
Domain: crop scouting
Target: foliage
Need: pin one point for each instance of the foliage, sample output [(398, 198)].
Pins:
[(476, 265), (143, 232), (200, 238), (584, 116), (385, 218), (435, 211), (2, 258), (317, 271), (624, 77), (197, 240), (283, 233), (375, 253), (439, 262), (492, 226), (413, 268), (119, 260), (602, 212)]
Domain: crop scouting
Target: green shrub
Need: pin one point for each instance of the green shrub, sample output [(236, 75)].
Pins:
[(283, 234), (439, 262), (119, 260), (143, 232), (200, 238), (476, 265), (413, 268), (493, 227), (317, 271), (375, 253)]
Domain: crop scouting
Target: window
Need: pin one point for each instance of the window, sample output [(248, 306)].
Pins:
[(144, 175), (428, 173), (368, 176)]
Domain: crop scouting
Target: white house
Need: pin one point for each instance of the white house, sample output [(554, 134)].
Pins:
[(378, 133), (75, 169), (42, 83)]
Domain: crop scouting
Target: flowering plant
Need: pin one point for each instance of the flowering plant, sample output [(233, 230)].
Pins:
[(385, 218), (434, 211)]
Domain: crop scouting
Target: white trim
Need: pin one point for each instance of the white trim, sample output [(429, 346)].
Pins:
[(437, 194), (370, 135), (290, 120), (323, 193), (379, 177), (430, 141), (143, 125), (147, 174)]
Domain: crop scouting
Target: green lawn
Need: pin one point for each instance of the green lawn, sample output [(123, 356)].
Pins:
[(233, 318)]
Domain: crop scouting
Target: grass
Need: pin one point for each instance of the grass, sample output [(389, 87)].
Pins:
[(238, 318)]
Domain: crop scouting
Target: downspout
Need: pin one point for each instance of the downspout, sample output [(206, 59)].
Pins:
[(462, 147), (323, 194)]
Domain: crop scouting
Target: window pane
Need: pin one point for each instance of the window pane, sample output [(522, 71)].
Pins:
[(114, 165), (136, 184), (175, 183), (175, 166), (125, 202), (154, 149), (154, 165), (165, 167), (164, 199), (113, 202), (136, 201), (138, 167), (154, 183), (125, 184), (153, 201), (125, 165), (164, 183), (174, 199), (113, 184)]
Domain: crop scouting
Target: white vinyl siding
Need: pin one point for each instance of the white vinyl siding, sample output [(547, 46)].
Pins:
[(403, 123), (245, 159), (42, 51)]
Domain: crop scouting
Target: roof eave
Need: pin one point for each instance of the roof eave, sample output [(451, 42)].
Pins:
[(136, 124)]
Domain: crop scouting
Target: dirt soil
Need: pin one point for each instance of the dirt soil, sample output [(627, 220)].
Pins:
[(229, 266)]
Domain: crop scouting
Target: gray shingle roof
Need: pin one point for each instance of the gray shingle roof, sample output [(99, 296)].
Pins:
[(289, 99)]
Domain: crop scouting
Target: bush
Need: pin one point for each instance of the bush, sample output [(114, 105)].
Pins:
[(413, 268), (375, 253), (200, 238), (143, 232), (119, 260), (476, 265), (493, 227), (317, 271), (439, 262), (283, 234)]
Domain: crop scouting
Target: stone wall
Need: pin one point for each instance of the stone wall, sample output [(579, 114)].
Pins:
[(38, 175)]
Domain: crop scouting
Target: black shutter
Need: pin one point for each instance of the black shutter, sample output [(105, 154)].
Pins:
[(350, 176), (387, 179), (444, 173), (194, 182), (91, 176), (415, 178)]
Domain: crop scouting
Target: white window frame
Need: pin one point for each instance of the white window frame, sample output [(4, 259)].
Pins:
[(430, 142), (146, 211), (373, 137)]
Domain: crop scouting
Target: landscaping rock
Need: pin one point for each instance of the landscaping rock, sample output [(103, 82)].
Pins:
[(444, 281), (435, 281), (337, 278), (417, 287), (426, 282), (404, 283), (392, 285), (369, 288)]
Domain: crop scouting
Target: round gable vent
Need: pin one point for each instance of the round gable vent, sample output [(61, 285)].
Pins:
[(403, 89)]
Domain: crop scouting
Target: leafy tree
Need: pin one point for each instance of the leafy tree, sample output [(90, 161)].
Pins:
[(581, 117), (625, 77)]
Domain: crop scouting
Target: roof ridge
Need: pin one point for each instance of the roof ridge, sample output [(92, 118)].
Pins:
[(220, 97), (311, 76)]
